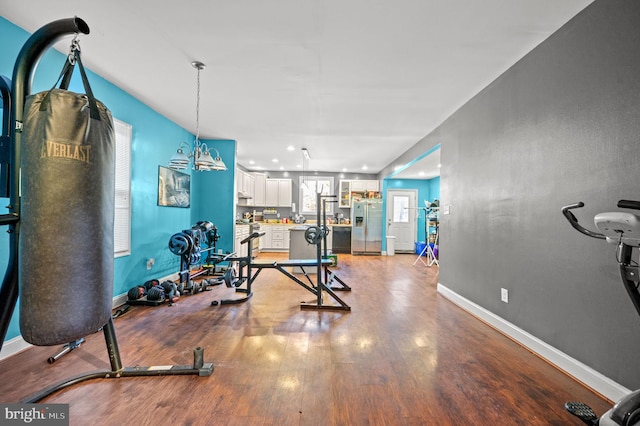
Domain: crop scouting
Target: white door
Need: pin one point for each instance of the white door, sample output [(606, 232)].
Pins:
[(401, 218)]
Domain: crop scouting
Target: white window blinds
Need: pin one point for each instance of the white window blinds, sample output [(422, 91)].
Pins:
[(122, 225)]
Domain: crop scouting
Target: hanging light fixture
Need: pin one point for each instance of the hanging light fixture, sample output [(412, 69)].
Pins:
[(199, 154), (305, 166)]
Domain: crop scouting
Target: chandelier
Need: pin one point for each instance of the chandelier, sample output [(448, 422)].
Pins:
[(199, 155)]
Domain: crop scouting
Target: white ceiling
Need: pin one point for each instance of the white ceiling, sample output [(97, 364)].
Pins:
[(357, 82)]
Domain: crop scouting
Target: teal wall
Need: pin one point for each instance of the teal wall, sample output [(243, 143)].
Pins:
[(216, 198), (427, 190), (154, 139)]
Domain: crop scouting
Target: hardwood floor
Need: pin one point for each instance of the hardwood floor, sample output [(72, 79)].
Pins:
[(403, 356)]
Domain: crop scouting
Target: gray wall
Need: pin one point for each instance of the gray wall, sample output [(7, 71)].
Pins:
[(560, 126)]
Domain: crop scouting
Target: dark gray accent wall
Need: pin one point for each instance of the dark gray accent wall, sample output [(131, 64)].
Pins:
[(562, 125)]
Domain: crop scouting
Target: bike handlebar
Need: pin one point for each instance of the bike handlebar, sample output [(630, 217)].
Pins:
[(629, 204), (574, 221)]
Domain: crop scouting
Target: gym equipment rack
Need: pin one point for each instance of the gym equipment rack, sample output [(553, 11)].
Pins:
[(315, 235), (188, 245)]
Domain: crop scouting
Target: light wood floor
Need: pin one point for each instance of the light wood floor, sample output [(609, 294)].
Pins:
[(403, 356)]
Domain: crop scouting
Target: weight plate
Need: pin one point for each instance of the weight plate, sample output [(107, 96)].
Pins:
[(180, 244), (313, 235)]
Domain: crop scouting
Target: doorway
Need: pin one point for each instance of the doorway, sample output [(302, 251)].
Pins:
[(401, 218)]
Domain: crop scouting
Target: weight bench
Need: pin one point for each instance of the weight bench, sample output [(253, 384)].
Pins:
[(316, 289)]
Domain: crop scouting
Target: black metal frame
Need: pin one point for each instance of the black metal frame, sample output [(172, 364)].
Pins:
[(207, 265), (626, 410), (321, 263), (628, 269), (5, 138), (23, 72)]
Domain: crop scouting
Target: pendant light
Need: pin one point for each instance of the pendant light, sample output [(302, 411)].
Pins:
[(199, 155)]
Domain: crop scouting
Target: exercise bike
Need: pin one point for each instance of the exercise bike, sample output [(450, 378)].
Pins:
[(622, 229)]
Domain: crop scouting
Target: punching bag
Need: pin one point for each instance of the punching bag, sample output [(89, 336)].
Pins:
[(67, 215)]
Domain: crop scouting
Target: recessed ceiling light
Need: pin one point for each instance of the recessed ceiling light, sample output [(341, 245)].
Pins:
[(344, 170), (281, 167), (275, 160), (290, 148), (365, 167), (439, 165), (299, 166), (421, 174), (252, 162)]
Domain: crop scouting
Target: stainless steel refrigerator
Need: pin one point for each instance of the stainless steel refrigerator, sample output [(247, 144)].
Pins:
[(366, 223)]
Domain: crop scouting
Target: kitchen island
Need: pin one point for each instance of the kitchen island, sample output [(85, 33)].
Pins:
[(299, 248), (277, 236)]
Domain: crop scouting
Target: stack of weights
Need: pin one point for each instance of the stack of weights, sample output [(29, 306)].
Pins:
[(155, 291)]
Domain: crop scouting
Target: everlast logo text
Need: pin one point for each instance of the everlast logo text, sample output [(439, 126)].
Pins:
[(72, 152)]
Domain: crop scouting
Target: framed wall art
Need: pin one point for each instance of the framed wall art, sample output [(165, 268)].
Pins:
[(174, 188)]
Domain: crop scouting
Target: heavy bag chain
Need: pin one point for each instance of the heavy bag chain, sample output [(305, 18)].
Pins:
[(74, 50)]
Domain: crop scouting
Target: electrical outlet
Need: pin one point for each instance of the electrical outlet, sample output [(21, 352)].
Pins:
[(150, 263), (447, 209), (504, 295)]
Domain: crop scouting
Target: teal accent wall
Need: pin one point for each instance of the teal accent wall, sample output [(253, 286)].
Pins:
[(216, 197), (155, 138), (427, 190)]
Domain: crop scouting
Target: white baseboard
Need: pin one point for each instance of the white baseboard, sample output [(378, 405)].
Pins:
[(119, 300), (13, 346), (581, 372), (18, 344)]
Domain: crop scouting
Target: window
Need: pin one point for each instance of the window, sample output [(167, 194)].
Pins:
[(309, 187), (401, 208), (122, 224)]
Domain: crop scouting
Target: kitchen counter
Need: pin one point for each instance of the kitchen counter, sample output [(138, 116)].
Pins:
[(306, 224), (277, 235)]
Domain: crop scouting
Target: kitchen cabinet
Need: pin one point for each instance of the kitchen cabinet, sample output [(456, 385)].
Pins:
[(265, 240), (259, 189), (365, 185), (277, 237), (345, 194), (247, 184), (271, 193), (242, 232), (245, 187), (278, 193), (351, 188)]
